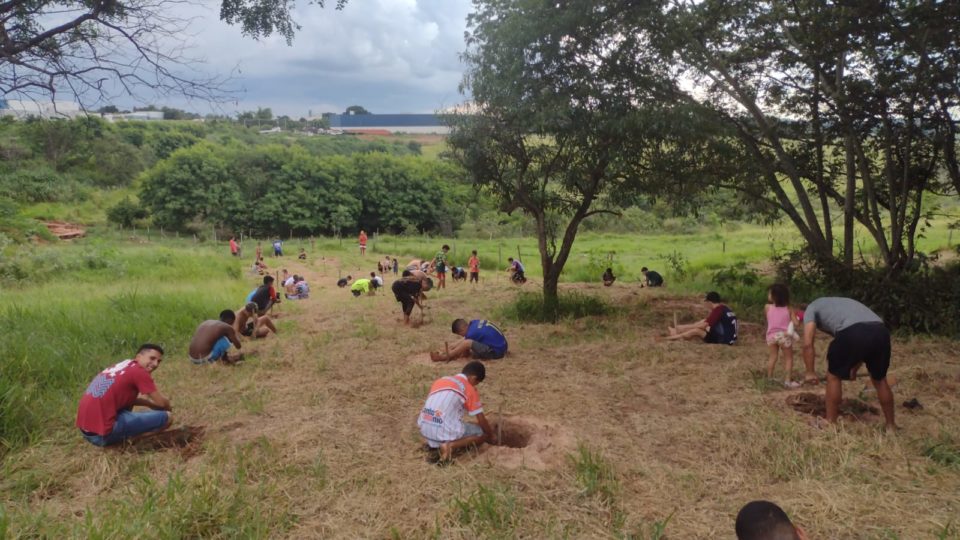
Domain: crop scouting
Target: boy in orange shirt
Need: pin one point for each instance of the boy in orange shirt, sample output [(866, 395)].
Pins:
[(474, 264), (441, 418)]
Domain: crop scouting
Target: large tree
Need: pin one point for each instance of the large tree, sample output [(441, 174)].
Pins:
[(562, 130), (848, 106)]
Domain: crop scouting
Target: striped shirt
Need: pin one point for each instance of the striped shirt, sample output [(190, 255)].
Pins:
[(441, 418)]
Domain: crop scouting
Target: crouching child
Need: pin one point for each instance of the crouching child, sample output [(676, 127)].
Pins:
[(441, 419)]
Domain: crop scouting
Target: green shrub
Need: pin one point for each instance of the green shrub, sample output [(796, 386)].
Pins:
[(531, 307), (40, 185), (489, 512), (126, 213)]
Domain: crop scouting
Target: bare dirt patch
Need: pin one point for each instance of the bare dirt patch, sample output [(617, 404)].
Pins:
[(527, 443), (814, 404), (64, 230)]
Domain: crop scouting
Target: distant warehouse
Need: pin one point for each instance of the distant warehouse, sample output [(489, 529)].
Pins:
[(390, 123)]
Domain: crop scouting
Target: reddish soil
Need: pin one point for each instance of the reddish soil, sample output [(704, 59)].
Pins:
[(64, 230), (186, 440), (814, 404)]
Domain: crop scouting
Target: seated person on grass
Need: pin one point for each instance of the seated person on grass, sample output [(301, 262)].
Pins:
[(362, 286), (212, 339), (343, 282), (764, 520), (651, 278), (302, 255), (481, 340), (859, 337), (264, 296), (408, 291), (720, 326), (441, 419), (249, 324), (105, 415), (299, 290), (516, 271), (608, 277)]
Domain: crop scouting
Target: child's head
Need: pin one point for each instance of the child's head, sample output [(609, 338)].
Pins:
[(474, 252), (644, 270), (764, 520), (475, 371), (509, 259), (268, 280), (609, 270), (459, 327), (373, 274), (228, 316), (713, 297), (445, 248), (779, 295)]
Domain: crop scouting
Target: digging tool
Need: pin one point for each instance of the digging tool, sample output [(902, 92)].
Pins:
[(446, 351)]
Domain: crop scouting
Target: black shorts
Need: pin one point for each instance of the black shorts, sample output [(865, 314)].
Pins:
[(867, 343), (407, 303), (474, 276), (483, 351), (355, 293)]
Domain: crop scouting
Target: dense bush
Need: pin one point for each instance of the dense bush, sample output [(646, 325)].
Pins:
[(40, 185), (925, 298), (126, 213)]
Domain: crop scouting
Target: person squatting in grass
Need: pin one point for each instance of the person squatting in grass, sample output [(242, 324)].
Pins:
[(440, 266), (249, 324), (720, 326), (481, 340), (859, 337), (212, 340), (408, 290), (781, 321), (608, 277), (362, 286), (516, 271), (441, 418), (651, 278), (764, 520), (105, 415), (264, 296), (300, 290), (376, 281), (474, 264), (343, 282)]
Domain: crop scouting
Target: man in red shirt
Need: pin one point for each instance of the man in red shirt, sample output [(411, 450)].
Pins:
[(106, 416)]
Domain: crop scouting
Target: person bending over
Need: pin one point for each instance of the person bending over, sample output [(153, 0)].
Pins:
[(859, 337), (264, 296), (516, 271), (212, 339), (441, 418), (408, 291), (481, 339), (105, 415), (651, 278), (249, 324), (343, 282), (720, 326), (362, 286), (764, 520)]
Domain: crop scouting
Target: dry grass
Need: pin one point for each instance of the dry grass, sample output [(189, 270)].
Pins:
[(625, 432)]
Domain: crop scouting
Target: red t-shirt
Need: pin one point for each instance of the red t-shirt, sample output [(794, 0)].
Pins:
[(714, 316), (115, 388), (233, 246)]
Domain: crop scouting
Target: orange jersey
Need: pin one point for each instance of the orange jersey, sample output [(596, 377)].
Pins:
[(441, 418), (474, 264)]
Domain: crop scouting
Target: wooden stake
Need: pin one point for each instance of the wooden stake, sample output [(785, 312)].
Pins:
[(446, 349)]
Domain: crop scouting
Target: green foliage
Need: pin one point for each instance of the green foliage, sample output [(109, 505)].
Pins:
[(531, 307), (943, 450), (594, 474), (489, 512), (126, 213), (678, 264), (40, 185)]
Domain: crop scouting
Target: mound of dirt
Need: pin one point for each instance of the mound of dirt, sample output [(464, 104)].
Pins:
[(814, 404), (186, 440), (64, 230), (527, 442)]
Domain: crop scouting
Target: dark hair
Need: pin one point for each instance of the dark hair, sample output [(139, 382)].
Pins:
[(475, 368), (764, 520), (268, 279), (150, 347), (446, 247), (780, 294), (509, 258), (251, 307), (713, 296), (373, 274), (349, 276), (457, 324), (406, 273), (228, 316), (609, 270), (644, 269), (474, 252)]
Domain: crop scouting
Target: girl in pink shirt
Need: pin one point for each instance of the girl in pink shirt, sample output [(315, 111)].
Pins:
[(781, 321)]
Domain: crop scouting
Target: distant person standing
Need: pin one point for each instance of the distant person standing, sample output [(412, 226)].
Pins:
[(440, 266), (234, 248), (396, 266), (474, 264), (105, 415), (259, 252), (651, 278), (859, 337), (363, 242), (278, 248)]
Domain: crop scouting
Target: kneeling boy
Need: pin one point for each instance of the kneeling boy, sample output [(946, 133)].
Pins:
[(441, 419), (481, 340)]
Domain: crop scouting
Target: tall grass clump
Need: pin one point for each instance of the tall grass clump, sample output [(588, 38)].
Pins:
[(531, 307), (489, 512)]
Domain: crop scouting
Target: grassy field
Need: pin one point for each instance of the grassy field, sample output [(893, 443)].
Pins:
[(313, 436)]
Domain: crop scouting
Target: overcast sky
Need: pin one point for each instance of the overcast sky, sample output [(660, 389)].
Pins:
[(390, 56)]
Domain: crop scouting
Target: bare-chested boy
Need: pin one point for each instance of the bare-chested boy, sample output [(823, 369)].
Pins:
[(212, 339), (249, 324)]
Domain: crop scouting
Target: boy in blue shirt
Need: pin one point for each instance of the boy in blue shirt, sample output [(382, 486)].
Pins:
[(481, 340)]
